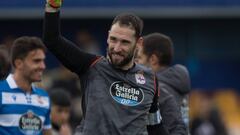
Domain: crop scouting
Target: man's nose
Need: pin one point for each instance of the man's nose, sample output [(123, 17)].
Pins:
[(117, 47), (42, 65)]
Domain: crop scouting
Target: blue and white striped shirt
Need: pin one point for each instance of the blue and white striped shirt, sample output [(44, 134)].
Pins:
[(23, 113)]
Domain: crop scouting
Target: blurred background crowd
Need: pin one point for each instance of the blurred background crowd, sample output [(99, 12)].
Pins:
[(205, 36)]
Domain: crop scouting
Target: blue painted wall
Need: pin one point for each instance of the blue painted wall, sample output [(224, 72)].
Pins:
[(123, 3)]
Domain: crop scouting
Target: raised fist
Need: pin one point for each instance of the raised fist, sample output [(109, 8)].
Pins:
[(54, 3)]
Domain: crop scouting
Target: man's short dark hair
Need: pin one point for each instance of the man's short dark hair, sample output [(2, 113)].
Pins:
[(160, 45), (60, 97), (23, 45), (130, 20)]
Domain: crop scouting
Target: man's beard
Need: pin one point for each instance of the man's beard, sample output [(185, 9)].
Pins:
[(126, 60)]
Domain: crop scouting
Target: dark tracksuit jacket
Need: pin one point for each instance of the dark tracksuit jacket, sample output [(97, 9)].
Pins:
[(176, 81), (115, 102), (171, 114)]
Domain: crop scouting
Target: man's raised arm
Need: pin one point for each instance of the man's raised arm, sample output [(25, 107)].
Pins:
[(67, 53)]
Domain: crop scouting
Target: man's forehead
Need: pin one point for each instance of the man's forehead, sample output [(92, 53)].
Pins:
[(122, 30), (38, 53)]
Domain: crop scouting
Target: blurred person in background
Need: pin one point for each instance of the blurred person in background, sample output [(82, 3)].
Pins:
[(175, 79), (156, 53), (60, 111), (208, 120), (25, 109), (62, 78), (4, 62), (7, 41)]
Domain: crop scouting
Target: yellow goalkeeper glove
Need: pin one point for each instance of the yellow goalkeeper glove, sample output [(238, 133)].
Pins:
[(54, 3)]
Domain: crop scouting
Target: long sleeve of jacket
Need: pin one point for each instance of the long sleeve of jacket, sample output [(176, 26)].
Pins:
[(171, 115), (66, 52)]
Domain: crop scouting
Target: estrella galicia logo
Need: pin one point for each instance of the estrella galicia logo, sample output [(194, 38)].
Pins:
[(30, 124), (125, 94)]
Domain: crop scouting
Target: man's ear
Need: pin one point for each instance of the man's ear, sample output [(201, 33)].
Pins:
[(108, 37), (18, 63), (139, 42), (153, 59)]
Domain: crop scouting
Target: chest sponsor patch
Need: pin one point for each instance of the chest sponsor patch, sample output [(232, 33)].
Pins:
[(30, 124), (125, 94)]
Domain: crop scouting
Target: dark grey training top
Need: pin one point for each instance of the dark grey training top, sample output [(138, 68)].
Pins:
[(177, 81), (115, 102)]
